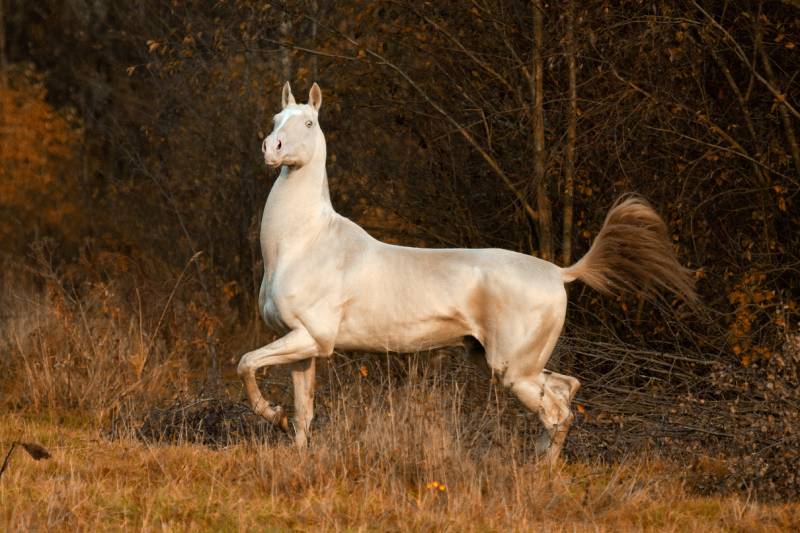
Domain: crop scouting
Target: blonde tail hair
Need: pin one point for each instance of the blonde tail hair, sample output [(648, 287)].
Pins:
[(633, 253)]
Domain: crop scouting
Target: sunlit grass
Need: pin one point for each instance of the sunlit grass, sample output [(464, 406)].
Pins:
[(95, 484), (406, 448)]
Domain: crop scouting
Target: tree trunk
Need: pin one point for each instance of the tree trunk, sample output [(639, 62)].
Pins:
[(314, 58), (784, 113), (286, 52), (544, 217), (3, 62), (572, 124)]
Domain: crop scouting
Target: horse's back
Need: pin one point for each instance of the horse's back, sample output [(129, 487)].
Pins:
[(406, 299)]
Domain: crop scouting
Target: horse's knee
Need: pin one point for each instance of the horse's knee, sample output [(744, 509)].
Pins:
[(241, 368), (245, 367)]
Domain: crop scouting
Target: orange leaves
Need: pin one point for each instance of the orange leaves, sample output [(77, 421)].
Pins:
[(781, 192), (789, 45), (585, 190), (751, 298), (38, 152), (230, 291)]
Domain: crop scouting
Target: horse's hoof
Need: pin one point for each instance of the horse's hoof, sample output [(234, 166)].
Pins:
[(543, 443), (279, 418)]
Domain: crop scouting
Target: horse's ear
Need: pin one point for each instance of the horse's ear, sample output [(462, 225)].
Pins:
[(287, 98), (315, 97)]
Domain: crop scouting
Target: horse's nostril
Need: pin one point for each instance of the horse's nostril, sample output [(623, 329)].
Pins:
[(279, 145)]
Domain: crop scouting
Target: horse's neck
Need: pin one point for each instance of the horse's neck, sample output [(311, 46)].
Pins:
[(298, 205), (301, 192)]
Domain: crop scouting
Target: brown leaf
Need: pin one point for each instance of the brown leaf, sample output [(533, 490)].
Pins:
[(37, 451)]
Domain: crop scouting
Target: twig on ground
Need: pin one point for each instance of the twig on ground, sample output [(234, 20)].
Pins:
[(37, 451)]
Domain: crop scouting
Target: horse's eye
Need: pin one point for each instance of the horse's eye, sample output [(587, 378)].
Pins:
[(308, 123)]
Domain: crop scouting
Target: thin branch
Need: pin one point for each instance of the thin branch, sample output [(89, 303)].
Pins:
[(782, 110), (166, 307), (739, 52), (312, 51), (544, 220), (572, 124), (706, 121), (469, 53), (487, 157)]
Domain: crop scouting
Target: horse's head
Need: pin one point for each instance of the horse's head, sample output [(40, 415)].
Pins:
[(296, 134)]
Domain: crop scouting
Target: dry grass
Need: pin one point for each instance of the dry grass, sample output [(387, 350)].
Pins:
[(365, 480), (400, 456), (393, 449), (88, 349)]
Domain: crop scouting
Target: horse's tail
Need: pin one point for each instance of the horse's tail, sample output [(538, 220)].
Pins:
[(633, 253)]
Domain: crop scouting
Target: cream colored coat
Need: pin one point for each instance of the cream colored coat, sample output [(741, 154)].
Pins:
[(329, 285)]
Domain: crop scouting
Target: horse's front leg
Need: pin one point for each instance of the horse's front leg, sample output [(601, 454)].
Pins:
[(303, 377), (295, 346)]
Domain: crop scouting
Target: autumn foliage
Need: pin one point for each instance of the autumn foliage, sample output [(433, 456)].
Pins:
[(131, 184), (39, 148)]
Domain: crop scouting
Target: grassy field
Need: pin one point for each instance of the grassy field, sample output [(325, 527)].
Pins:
[(381, 473), (422, 447)]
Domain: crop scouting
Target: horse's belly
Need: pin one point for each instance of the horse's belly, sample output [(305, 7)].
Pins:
[(369, 333)]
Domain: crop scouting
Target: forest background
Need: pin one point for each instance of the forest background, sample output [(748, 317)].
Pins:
[(132, 185)]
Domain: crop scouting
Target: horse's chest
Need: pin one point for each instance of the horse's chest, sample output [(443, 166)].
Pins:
[(277, 298), (299, 270), (288, 290), (278, 285)]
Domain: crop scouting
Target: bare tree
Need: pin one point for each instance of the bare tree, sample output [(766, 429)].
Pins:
[(572, 119), (3, 60), (786, 120), (544, 217)]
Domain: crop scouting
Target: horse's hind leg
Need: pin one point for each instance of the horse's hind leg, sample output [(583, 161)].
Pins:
[(563, 389), (566, 386), (549, 395)]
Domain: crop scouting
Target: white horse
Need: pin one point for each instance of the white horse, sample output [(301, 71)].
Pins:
[(329, 285)]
